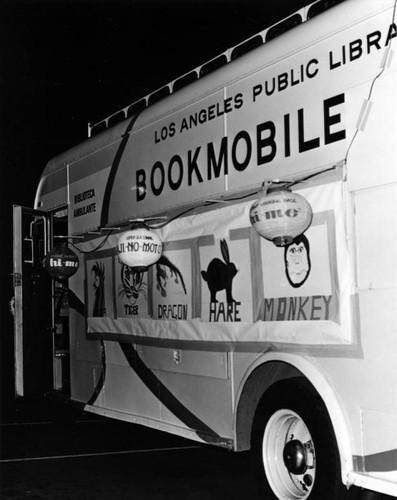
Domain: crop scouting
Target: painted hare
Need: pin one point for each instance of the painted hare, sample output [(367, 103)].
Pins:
[(219, 274)]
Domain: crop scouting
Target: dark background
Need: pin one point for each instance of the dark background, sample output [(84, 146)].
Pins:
[(65, 63)]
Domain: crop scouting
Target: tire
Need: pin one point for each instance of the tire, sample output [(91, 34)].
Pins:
[(294, 446)]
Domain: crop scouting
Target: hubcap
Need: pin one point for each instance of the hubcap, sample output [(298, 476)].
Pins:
[(289, 456), (294, 456)]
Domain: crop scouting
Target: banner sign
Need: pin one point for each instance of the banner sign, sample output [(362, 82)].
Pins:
[(219, 281)]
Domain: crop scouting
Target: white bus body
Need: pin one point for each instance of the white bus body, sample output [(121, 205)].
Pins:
[(177, 349)]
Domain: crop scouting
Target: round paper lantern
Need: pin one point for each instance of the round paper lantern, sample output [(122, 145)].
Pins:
[(281, 215), (139, 247), (61, 262)]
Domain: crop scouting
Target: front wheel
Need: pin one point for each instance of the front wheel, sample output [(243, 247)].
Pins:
[(294, 446)]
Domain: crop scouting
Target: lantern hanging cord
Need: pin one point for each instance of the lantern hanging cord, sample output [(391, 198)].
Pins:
[(206, 204), (98, 247), (383, 67), (245, 196), (304, 179), (160, 226)]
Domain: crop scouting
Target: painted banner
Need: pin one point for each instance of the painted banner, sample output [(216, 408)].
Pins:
[(219, 281)]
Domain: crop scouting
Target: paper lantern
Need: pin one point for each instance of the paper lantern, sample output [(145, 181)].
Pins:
[(61, 262), (139, 247), (281, 215)]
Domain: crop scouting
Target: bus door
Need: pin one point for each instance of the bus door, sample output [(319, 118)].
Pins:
[(40, 347)]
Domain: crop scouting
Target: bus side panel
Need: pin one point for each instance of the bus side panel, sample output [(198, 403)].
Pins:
[(372, 156), (170, 389), (170, 349), (88, 180), (86, 361), (124, 390), (372, 182), (199, 380), (369, 399)]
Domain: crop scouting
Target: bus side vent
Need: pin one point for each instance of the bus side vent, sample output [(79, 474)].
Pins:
[(247, 46), (213, 65), (284, 26), (185, 80)]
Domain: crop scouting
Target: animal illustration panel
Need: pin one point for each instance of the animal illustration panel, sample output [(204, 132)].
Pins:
[(298, 281), (172, 285), (99, 275), (131, 292), (220, 274), (226, 281)]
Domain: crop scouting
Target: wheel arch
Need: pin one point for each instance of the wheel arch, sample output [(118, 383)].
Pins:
[(276, 367)]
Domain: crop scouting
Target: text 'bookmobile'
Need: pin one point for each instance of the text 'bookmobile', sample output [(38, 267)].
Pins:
[(227, 268)]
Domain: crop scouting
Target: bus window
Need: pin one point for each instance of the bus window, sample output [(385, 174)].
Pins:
[(284, 26), (158, 95), (247, 46), (320, 7), (137, 107), (99, 127), (118, 117), (213, 65), (185, 80)]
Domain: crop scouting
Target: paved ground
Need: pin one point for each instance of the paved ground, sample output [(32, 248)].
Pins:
[(61, 454), (49, 451)]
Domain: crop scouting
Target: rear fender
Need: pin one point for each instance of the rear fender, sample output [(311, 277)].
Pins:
[(273, 367)]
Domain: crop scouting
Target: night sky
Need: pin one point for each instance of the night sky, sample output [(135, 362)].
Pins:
[(65, 63)]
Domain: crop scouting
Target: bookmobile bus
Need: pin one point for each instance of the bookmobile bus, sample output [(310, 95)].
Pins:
[(288, 349)]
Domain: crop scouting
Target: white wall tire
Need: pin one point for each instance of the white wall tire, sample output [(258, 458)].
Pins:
[(294, 447), (287, 438)]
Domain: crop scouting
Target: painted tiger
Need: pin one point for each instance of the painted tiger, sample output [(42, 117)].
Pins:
[(132, 284)]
